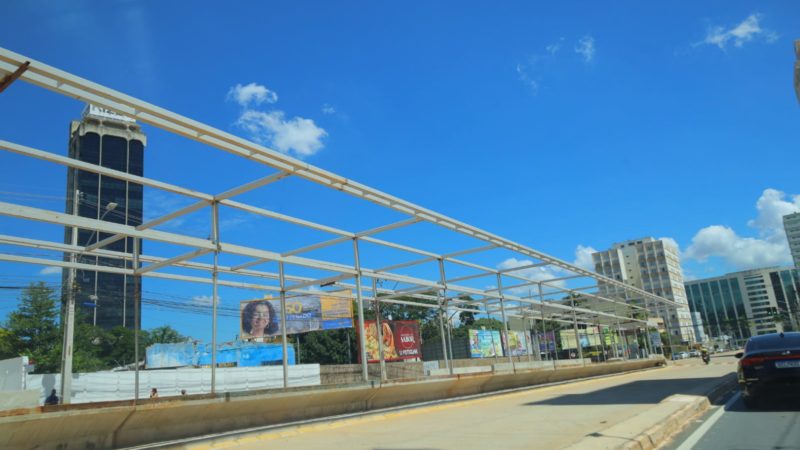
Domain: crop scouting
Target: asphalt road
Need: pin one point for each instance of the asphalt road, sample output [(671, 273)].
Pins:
[(547, 417), (775, 425)]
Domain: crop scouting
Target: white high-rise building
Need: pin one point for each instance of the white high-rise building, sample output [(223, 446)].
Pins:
[(791, 223), (654, 266)]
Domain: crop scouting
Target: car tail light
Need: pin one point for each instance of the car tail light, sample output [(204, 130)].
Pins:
[(752, 361)]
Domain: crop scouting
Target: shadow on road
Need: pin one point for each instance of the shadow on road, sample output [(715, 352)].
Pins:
[(637, 392), (772, 402)]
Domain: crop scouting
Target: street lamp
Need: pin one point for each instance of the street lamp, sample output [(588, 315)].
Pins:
[(110, 206), (69, 313)]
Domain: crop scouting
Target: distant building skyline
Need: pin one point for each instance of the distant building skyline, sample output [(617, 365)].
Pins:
[(747, 303), (107, 139), (654, 266), (791, 224)]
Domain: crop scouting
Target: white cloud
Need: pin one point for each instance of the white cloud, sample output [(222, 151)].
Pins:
[(583, 257), (742, 252), (541, 273), (769, 249), (748, 30), (585, 48), (524, 76), (771, 208), (671, 242), (328, 109), (251, 93), (297, 134), (530, 72), (51, 270), (555, 47), (205, 300)]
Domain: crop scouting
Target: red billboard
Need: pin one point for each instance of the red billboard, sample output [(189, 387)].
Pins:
[(400, 340)]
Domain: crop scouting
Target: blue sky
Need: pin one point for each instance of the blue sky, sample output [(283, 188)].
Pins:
[(561, 126)]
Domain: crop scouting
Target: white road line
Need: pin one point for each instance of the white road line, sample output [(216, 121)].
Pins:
[(691, 441)]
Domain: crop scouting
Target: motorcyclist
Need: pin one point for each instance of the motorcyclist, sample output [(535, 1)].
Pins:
[(705, 355)]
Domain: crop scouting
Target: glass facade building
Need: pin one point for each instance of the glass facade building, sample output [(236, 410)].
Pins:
[(742, 304), (106, 139), (791, 224)]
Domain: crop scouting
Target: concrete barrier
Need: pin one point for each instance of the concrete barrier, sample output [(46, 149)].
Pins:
[(19, 399), (123, 424)]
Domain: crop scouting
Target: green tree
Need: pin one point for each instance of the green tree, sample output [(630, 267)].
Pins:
[(33, 329), (467, 318), (164, 335), (329, 346), (118, 346)]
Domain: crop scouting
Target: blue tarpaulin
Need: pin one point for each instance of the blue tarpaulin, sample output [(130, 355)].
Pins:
[(236, 354)]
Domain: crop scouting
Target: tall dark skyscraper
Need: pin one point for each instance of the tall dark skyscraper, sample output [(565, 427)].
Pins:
[(105, 138)]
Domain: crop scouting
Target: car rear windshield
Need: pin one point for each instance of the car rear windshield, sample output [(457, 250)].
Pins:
[(774, 342)]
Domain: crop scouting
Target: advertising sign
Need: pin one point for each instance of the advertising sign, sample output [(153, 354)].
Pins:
[(400, 340), (517, 344), (655, 339), (607, 336), (261, 318), (547, 341), (485, 343), (588, 338)]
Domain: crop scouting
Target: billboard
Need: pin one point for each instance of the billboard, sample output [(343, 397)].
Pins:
[(519, 343), (588, 338), (485, 344), (547, 341), (655, 339), (262, 318), (400, 340)]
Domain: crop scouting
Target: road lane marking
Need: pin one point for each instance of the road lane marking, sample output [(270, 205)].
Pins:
[(692, 440)]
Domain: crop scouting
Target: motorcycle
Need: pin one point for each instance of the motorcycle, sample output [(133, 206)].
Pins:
[(706, 358)]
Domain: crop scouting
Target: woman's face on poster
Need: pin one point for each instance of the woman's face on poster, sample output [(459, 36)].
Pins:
[(259, 320)]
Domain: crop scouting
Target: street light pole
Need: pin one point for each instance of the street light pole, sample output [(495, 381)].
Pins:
[(110, 206), (69, 313), (69, 317)]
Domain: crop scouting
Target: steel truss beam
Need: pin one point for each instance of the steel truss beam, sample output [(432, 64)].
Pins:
[(67, 84)]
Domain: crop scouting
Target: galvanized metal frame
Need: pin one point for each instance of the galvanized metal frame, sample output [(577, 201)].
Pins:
[(446, 292)]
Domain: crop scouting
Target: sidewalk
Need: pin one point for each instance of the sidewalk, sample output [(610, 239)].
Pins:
[(609, 412)]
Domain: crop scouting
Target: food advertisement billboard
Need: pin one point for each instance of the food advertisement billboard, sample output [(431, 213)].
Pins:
[(400, 340), (262, 318)]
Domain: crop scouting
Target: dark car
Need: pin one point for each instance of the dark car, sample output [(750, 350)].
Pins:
[(769, 362)]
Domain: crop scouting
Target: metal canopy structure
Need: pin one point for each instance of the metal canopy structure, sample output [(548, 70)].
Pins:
[(456, 280)]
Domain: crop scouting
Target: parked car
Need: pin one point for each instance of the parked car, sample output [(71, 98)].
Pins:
[(694, 353), (769, 363), (680, 355)]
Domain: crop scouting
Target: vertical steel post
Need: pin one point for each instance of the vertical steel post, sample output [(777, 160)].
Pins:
[(214, 297), (379, 326), (505, 322), (575, 327), (486, 309), (137, 281), (442, 305), (647, 344), (442, 334), (362, 345), (669, 332), (69, 316), (284, 345)]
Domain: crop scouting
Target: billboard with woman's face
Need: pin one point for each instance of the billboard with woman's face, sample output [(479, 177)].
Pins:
[(262, 318)]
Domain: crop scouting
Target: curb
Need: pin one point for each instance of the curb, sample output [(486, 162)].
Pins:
[(659, 434)]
